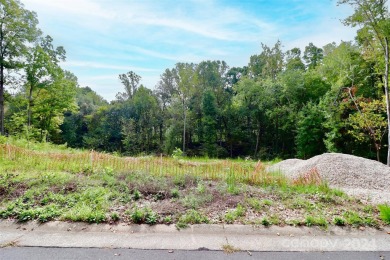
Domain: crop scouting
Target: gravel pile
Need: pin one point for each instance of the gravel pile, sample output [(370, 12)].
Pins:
[(357, 176)]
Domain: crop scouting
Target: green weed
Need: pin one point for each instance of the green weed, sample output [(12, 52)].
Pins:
[(194, 201), (233, 215), (175, 193), (316, 221), (144, 215), (354, 219), (265, 222), (191, 217), (114, 216), (254, 203), (85, 213), (385, 213), (339, 221)]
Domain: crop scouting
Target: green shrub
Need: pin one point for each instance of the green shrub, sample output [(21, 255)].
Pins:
[(3, 139), (177, 153)]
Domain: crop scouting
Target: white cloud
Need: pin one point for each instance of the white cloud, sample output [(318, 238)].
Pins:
[(98, 65), (79, 8), (147, 36), (206, 19)]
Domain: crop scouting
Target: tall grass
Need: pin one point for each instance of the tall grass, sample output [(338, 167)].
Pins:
[(17, 158)]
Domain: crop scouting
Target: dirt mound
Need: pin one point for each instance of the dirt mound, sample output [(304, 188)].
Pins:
[(355, 175)]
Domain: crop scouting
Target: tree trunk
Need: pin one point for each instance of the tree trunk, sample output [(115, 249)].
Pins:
[(30, 104), (377, 148), (184, 128), (386, 83), (1, 99), (257, 139), (161, 126)]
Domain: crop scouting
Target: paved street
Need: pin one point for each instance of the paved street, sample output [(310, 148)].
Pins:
[(40, 253)]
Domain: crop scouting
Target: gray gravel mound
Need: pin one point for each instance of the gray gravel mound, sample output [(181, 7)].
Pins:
[(357, 176)]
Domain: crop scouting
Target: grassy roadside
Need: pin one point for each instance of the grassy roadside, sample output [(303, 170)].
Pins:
[(45, 182)]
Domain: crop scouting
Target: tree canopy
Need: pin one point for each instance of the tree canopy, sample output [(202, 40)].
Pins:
[(283, 103)]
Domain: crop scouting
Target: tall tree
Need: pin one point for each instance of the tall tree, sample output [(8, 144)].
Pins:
[(139, 131), (74, 126), (273, 60), (312, 56), (18, 27), (293, 60), (374, 19), (42, 68), (52, 102), (165, 90), (185, 82), (130, 81), (209, 107)]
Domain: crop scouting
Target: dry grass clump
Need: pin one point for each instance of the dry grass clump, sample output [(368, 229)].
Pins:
[(311, 177)]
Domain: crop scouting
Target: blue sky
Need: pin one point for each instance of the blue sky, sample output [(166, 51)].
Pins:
[(104, 38)]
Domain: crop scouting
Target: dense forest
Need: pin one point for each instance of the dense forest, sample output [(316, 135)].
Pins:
[(294, 103)]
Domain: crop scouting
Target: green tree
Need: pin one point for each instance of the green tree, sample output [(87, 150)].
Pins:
[(18, 28), (139, 131), (209, 107), (273, 60), (369, 123), (185, 79), (310, 131), (105, 129), (253, 99), (293, 60), (130, 81), (374, 20), (312, 56), (166, 89), (343, 66), (42, 69), (51, 104), (211, 76), (74, 126)]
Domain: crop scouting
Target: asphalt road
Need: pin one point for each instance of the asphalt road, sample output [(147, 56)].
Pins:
[(43, 253)]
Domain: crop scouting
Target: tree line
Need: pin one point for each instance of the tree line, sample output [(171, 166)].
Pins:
[(282, 104)]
